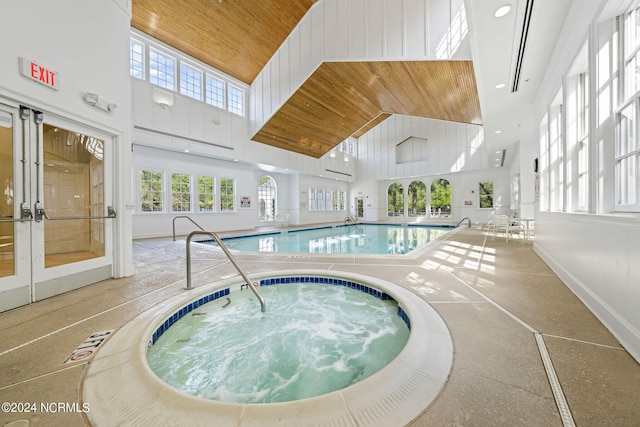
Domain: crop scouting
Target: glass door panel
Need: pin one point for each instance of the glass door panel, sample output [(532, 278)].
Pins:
[(7, 201), (73, 196)]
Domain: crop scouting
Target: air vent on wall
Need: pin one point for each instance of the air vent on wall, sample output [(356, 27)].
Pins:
[(522, 46)]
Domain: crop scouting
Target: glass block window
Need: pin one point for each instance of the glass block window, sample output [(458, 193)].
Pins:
[(162, 70)]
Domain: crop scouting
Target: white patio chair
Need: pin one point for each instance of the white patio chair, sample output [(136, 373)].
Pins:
[(504, 224)]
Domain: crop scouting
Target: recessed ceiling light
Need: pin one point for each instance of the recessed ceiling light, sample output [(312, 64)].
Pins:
[(498, 131), (502, 11), (500, 86)]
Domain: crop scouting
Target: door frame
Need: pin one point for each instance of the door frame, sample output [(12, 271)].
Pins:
[(32, 281)]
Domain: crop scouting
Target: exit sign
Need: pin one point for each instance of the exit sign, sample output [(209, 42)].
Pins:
[(43, 75)]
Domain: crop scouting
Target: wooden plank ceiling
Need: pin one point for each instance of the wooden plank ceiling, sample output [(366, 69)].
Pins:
[(340, 99)]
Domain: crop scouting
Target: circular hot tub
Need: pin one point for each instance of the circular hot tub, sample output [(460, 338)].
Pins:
[(122, 388)]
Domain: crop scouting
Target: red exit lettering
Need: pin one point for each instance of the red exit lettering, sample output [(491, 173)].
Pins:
[(43, 75), (38, 73)]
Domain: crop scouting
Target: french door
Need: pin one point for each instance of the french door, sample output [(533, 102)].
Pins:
[(56, 220)]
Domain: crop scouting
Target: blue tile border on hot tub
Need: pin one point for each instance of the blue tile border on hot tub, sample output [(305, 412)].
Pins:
[(186, 310), (339, 282), (276, 281)]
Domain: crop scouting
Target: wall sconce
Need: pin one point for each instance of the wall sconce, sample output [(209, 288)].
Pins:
[(332, 153), (346, 158), (162, 98), (94, 100)]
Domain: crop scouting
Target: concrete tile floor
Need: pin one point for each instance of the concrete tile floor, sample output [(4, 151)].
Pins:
[(494, 296)]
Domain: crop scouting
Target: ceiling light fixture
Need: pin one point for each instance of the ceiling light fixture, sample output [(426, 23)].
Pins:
[(502, 11), (500, 85), (498, 132)]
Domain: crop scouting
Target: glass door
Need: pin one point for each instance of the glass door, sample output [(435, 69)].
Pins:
[(57, 227), (359, 207), (15, 213)]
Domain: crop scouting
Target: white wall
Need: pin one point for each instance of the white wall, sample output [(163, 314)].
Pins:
[(450, 147), (357, 30), (596, 254), (86, 43)]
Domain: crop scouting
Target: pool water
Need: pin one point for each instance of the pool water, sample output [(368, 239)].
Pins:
[(343, 239), (313, 339)]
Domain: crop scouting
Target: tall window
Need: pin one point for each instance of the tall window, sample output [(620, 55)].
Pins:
[(395, 200), (266, 199), (214, 92), (627, 146), (577, 133), (162, 70), (136, 59), (556, 156), (190, 81), (417, 194), (227, 195), (541, 186), (205, 194), (180, 192), (627, 159), (440, 198), (583, 142), (151, 192), (235, 100), (632, 53), (485, 191)]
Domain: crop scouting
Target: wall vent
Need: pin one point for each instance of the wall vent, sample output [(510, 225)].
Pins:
[(523, 45)]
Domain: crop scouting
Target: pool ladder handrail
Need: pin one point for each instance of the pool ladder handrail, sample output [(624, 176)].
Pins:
[(187, 217), (224, 248), (462, 220)]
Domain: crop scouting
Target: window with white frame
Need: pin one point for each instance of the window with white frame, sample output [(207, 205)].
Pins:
[(214, 91), (206, 195), (556, 156), (267, 193), (627, 146), (235, 100), (541, 186), (151, 191), (190, 81), (631, 50), (162, 70), (312, 199), (136, 59), (227, 195), (577, 134), (485, 192), (180, 192), (627, 158)]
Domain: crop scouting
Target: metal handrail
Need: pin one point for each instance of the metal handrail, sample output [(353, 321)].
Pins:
[(263, 307), (462, 220), (183, 216)]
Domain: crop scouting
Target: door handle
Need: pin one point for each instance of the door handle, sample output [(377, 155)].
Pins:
[(39, 212)]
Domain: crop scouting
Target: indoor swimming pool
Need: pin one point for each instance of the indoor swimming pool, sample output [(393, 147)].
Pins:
[(342, 239)]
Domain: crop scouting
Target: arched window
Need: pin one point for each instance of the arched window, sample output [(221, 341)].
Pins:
[(395, 200), (441, 198), (417, 199), (267, 199)]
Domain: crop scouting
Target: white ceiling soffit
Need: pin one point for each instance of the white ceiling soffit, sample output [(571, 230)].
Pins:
[(495, 46)]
